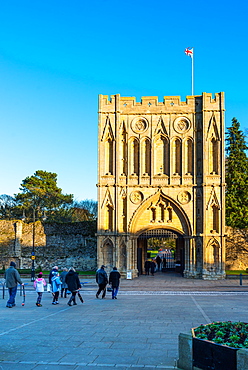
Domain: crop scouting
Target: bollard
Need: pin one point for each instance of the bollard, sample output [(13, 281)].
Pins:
[(3, 285), (240, 279)]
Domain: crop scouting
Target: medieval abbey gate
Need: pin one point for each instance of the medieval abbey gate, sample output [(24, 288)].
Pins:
[(161, 172)]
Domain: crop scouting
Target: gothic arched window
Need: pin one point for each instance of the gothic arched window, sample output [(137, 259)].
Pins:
[(109, 156), (213, 156), (189, 157), (161, 155), (146, 157), (109, 213), (134, 157), (177, 157)]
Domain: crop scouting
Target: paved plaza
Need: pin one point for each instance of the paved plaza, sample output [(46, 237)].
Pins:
[(138, 330)]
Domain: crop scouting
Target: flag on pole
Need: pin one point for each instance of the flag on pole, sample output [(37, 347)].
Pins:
[(189, 52)]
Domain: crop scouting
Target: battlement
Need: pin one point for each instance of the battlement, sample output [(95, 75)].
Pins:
[(151, 103)]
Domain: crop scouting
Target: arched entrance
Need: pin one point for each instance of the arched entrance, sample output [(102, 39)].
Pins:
[(165, 243)]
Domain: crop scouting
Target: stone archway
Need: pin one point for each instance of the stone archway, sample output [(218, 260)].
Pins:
[(153, 242), (159, 215)]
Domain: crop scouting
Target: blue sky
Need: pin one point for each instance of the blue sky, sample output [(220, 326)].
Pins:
[(57, 56)]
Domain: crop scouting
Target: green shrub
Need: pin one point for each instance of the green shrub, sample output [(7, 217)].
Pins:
[(232, 334)]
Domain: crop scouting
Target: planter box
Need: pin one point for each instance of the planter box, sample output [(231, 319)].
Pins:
[(208, 355), (189, 354)]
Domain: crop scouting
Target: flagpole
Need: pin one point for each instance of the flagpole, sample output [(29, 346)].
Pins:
[(190, 53), (192, 57)]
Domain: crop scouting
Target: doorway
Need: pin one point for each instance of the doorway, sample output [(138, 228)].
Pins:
[(167, 245)]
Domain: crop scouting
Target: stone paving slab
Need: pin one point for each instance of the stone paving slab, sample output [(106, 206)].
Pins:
[(169, 281), (138, 330)]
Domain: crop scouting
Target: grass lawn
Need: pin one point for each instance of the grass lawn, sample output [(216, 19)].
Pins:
[(236, 272)]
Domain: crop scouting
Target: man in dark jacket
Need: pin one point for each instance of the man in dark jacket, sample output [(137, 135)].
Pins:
[(147, 267), (114, 280), (12, 277), (72, 280), (102, 281)]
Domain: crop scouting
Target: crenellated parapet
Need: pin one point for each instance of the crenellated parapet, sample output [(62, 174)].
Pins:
[(151, 104)]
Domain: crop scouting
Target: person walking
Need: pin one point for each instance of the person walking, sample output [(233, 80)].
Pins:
[(12, 278), (39, 285), (102, 281), (158, 260), (153, 267), (73, 283), (56, 286), (147, 267), (114, 280), (64, 286), (49, 285), (55, 268)]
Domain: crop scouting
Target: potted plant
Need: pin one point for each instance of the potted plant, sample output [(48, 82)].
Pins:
[(215, 344)]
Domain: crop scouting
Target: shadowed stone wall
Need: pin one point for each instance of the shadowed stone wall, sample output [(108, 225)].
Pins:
[(65, 245), (236, 249), (74, 244)]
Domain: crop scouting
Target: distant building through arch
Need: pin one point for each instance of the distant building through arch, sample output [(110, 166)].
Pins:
[(161, 171)]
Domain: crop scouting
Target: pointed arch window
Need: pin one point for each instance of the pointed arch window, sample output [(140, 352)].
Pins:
[(109, 151), (161, 155), (177, 157), (213, 156), (213, 252), (107, 253), (134, 157), (109, 213), (123, 153), (146, 157), (215, 216), (189, 157), (124, 214)]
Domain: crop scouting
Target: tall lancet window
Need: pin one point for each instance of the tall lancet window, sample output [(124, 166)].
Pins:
[(134, 157), (177, 157), (189, 157), (215, 215), (109, 212), (109, 156), (146, 157), (213, 156), (123, 154), (161, 155)]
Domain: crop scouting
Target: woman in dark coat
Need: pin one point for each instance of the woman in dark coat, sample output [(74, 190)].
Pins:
[(72, 280), (114, 280)]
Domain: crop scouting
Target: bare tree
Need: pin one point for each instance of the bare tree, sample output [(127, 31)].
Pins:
[(85, 210), (8, 207)]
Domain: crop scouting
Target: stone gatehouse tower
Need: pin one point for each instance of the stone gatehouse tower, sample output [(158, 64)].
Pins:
[(161, 170)]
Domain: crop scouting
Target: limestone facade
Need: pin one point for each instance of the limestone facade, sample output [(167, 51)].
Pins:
[(161, 169)]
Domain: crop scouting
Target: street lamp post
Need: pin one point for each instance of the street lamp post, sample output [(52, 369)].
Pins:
[(33, 249)]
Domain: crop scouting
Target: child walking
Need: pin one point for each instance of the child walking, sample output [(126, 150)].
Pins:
[(56, 286), (39, 284)]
